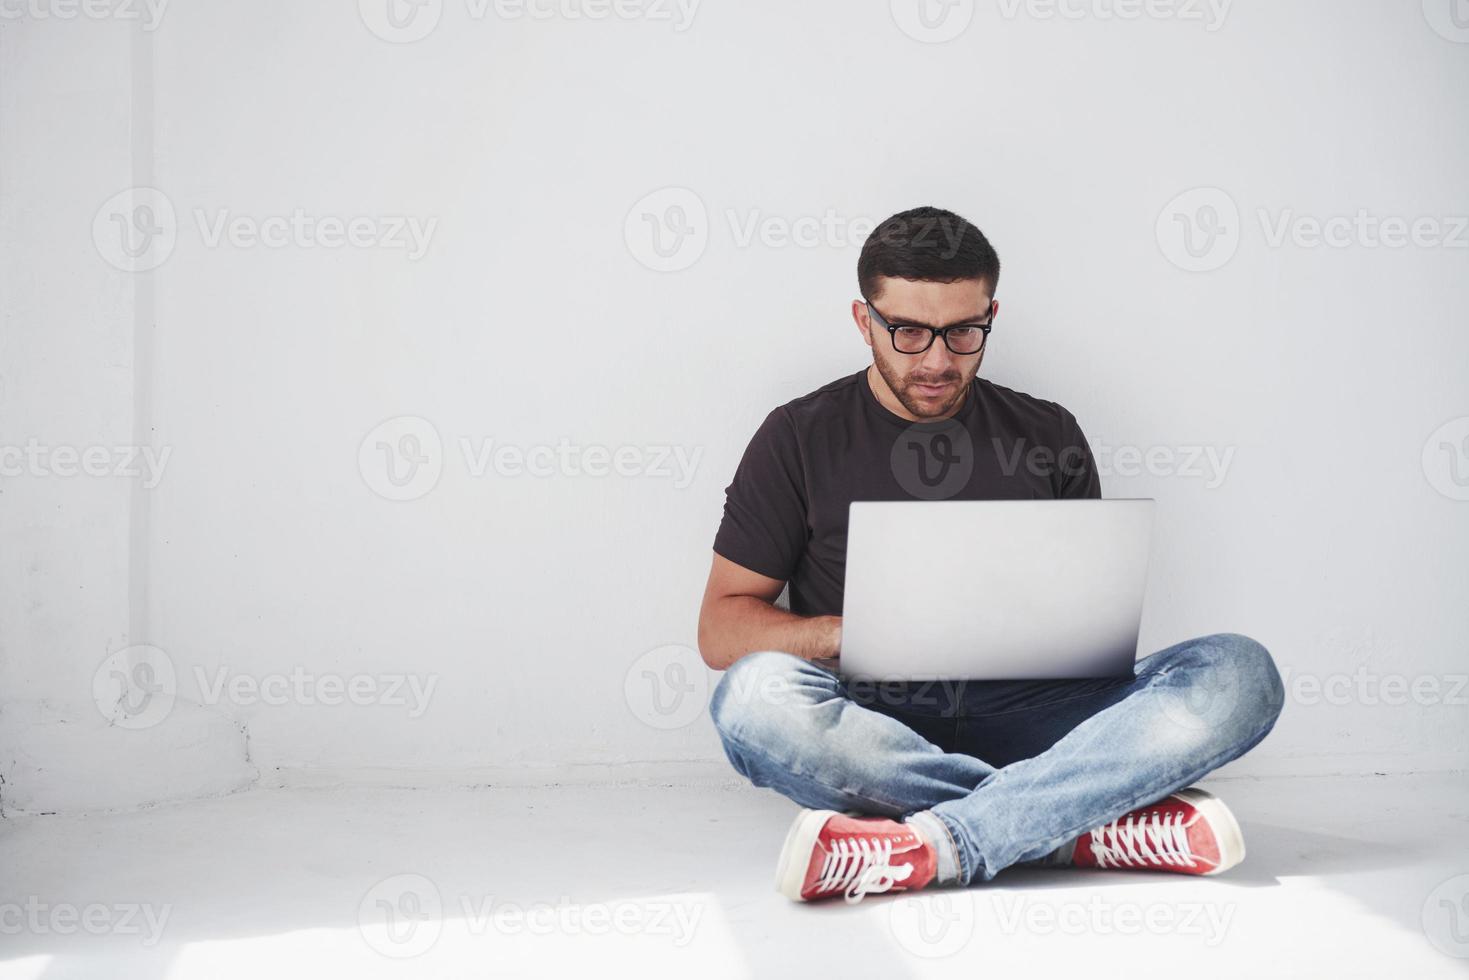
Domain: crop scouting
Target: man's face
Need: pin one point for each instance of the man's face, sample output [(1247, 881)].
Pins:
[(931, 385)]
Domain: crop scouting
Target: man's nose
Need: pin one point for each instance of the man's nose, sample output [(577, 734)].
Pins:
[(936, 360)]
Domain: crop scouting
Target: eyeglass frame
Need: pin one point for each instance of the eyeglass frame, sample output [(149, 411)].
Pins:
[(934, 332)]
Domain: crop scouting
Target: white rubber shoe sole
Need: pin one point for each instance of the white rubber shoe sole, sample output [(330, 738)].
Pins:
[(1226, 829), (795, 854)]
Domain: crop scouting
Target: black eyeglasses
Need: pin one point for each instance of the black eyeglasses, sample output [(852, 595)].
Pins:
[(910, 338)]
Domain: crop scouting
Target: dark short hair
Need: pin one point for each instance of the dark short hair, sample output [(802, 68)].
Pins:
[(926, 244)]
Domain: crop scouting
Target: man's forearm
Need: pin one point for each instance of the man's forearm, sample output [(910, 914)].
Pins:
[(736, 625)]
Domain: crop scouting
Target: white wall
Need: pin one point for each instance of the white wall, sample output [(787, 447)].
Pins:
[(537, 604), (74, 545)]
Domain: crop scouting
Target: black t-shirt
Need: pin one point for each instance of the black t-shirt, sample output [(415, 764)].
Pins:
[(785, 513)]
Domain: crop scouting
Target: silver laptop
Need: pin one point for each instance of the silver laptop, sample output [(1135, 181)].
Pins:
[(994, 589)]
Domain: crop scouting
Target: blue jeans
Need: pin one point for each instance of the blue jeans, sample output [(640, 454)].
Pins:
[(1011, 770)]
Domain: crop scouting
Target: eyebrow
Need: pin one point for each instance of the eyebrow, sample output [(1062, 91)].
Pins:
[(976, 320)]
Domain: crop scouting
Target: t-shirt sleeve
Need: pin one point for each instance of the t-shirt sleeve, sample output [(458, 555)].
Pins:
[(764, 526), (1076, 469)]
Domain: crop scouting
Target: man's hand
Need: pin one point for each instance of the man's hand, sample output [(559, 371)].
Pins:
[(739, 617)]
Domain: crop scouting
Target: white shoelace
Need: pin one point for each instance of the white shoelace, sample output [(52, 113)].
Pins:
[(1148, 840), (860, 867)]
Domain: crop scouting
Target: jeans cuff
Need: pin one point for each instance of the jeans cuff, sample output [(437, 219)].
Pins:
[(934, 830)]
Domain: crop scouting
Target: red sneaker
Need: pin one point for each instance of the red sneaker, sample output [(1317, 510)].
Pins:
[(1191, 832), (828, 854)]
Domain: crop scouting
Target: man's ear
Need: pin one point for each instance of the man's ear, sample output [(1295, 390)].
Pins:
[(864, 322)]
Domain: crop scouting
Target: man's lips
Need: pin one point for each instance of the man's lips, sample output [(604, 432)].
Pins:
[(939, 388)]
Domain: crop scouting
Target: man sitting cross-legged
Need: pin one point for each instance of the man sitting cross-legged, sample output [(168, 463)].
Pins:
[(909, 785)]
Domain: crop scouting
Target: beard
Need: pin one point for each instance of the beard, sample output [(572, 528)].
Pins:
[(922, 405)]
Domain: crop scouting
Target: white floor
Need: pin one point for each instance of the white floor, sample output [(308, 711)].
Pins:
[(1345, 878)]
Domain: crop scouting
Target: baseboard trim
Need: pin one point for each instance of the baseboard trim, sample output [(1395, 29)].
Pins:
[(714, 774), (719, 773), (674, 773)]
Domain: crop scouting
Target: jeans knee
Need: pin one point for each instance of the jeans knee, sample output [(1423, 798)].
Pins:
[(755, 689), (1262, 694), (758, 710), (1225, 689)]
